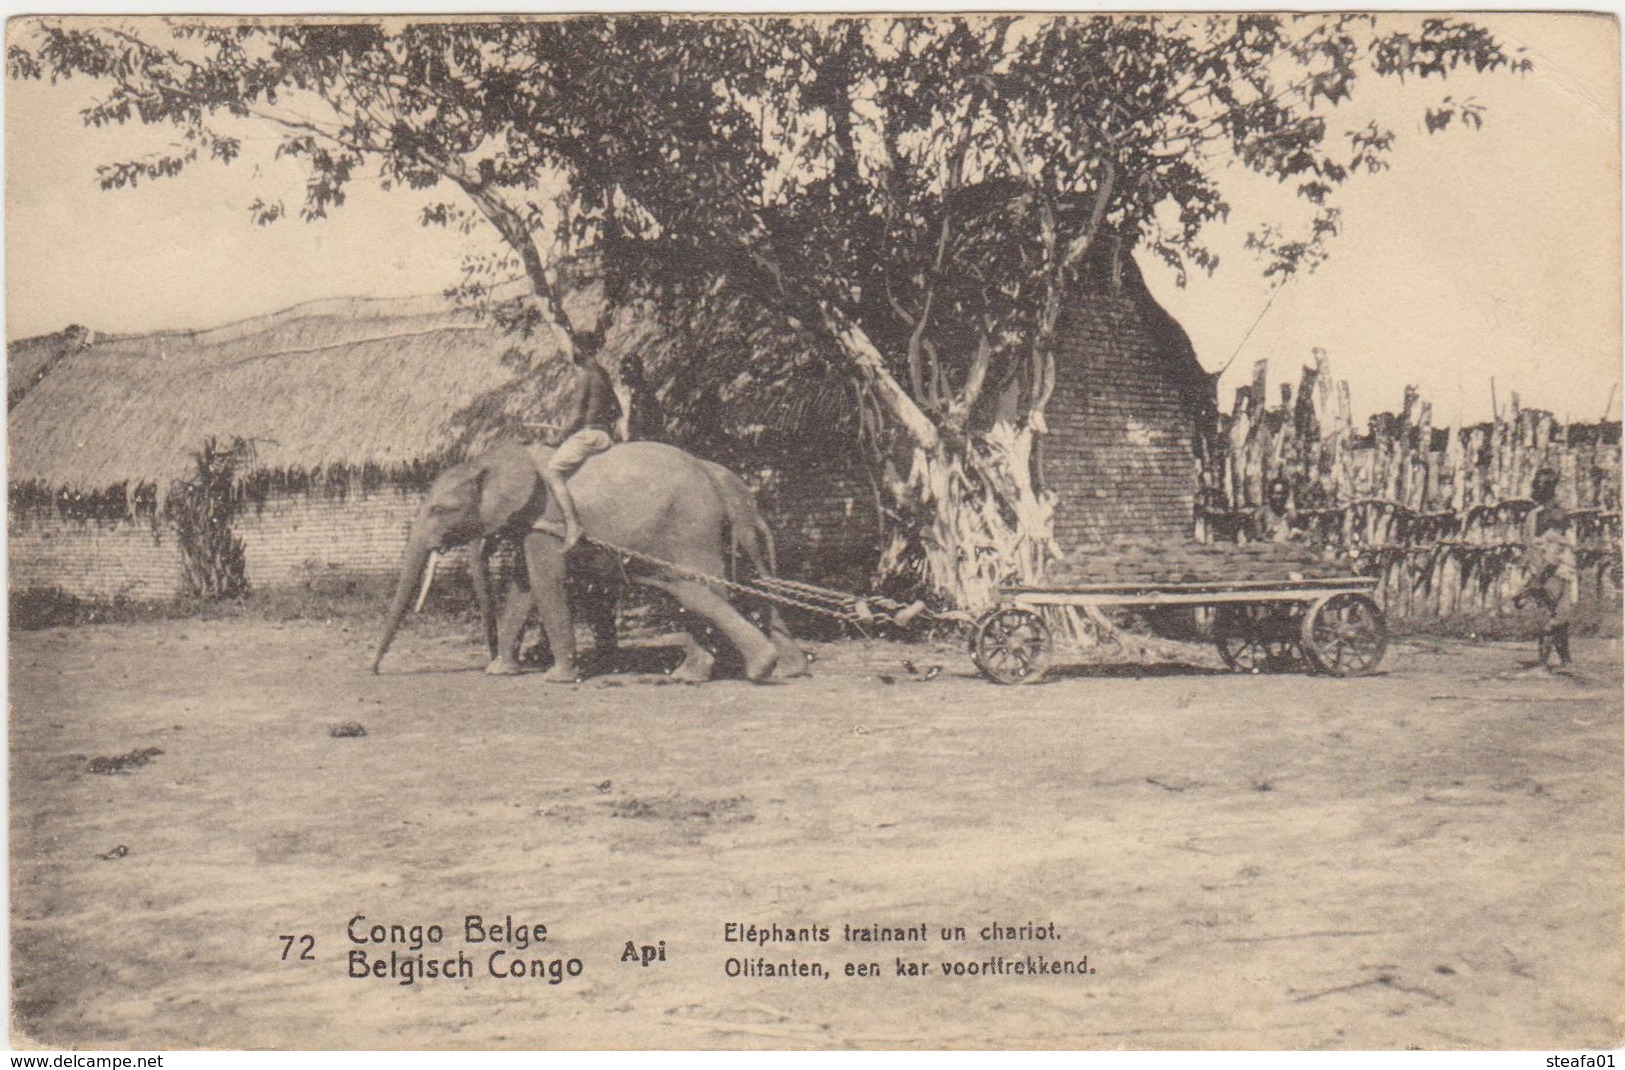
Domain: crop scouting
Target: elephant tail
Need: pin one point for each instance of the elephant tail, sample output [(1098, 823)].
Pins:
[(751, 539), (769, 550)]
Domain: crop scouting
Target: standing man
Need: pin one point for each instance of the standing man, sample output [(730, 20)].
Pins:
[(645, 422), (592, 412), (1551, 567)]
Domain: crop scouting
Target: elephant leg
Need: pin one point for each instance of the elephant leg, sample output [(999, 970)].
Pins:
[(605, 639), (545, 562), (697, 664), (598, 607), (753, 646), (479, 573), (792, 659), (510, 627)]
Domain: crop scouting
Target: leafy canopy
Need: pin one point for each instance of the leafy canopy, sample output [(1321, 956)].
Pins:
[(901, 206)]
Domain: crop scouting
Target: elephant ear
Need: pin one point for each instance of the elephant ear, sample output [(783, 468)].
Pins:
[(504, 488)]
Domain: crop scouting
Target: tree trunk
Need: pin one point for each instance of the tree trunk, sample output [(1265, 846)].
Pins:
[(511, 226), (968, 515), (979, 521), (871, 365)]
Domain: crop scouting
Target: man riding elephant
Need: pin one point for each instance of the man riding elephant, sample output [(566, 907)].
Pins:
[(661, 506), (589, 428)]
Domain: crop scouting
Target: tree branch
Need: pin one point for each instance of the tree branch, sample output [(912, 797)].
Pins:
[(916, 375), (959, 414), (857, 347), (1079, 245)]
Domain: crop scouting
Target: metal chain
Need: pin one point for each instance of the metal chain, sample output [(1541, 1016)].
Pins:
[(820, 601)]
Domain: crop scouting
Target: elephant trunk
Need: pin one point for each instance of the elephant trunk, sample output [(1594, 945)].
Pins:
[(417, 556)]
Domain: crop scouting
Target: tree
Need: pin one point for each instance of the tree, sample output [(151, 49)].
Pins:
[(494, 110), (904, 206), (937, 187)]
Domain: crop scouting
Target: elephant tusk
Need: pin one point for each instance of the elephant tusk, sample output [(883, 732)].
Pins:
[(428, 580)]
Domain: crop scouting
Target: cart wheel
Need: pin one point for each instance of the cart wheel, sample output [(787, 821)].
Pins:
[(1345, 634), (1241, 643), (1011, 646), (1248, 653)]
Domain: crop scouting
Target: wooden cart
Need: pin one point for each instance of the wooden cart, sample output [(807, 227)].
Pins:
[(1258, 626)]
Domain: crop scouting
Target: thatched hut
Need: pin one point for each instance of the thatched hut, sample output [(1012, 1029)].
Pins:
[(344, 407)]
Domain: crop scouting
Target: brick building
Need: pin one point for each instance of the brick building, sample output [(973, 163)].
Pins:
[(1131, 410)]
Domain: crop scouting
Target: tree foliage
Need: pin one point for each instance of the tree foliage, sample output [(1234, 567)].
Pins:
[(203, 509), (897, 210)]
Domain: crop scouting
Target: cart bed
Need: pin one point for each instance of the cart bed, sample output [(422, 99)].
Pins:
[(1331, 625)]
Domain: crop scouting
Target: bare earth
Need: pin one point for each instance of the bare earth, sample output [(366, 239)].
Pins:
[(1428, 857)]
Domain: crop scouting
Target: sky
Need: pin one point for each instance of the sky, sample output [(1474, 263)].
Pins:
[(1482, 255), (1489, 253)]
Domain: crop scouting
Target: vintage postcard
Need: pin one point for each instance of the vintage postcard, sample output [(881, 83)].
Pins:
[(821, 532)]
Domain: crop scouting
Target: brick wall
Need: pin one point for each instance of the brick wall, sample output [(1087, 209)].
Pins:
[(823, 521), (91, 558), (1119, 453), (295, 539), (291, 541)]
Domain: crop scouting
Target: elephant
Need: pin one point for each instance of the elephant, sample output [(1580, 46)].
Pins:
[(645, 497), (597, 578)]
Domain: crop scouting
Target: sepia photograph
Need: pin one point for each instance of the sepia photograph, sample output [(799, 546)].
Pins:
[(815, 532)]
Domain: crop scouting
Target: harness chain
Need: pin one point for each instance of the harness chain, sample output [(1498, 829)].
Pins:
[(821, 601)]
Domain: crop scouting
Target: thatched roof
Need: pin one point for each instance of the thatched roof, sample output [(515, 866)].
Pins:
[(29, 360), (334, 383), (410, 382)]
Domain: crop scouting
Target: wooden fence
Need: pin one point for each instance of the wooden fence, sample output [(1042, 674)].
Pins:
[(1444, 515)]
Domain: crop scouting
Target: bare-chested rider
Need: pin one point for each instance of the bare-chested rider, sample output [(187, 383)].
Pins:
[(592, 410)]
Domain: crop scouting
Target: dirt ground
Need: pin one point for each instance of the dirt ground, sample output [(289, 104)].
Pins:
[(1429, 857)]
